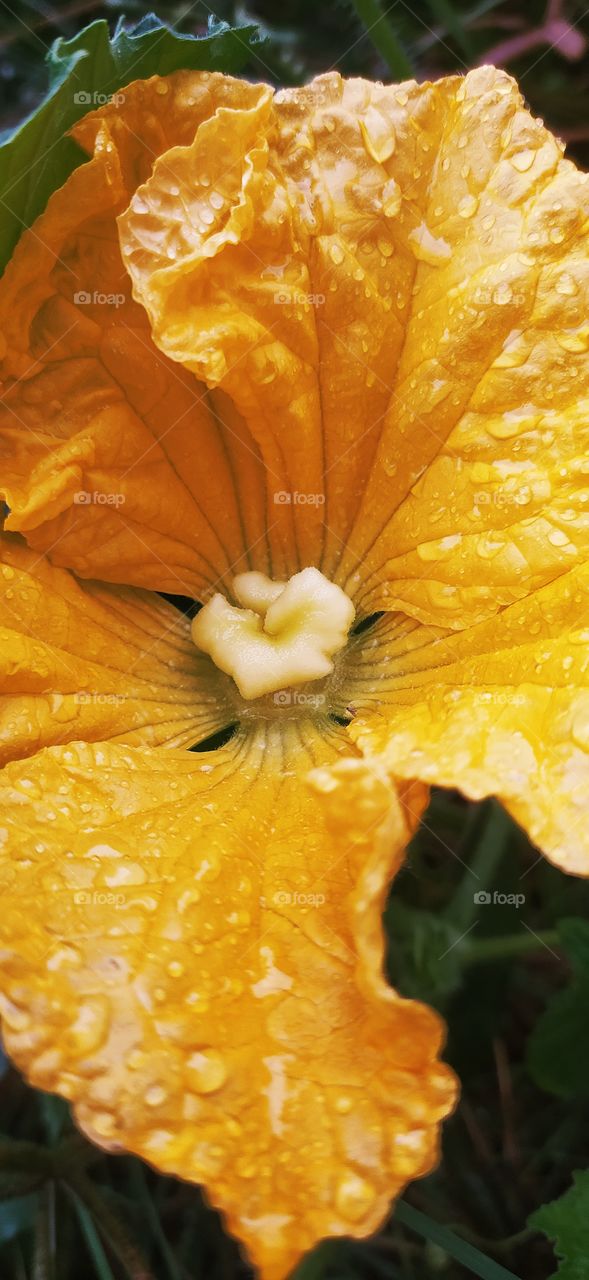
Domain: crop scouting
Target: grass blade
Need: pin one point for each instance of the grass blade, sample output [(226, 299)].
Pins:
[(475, 1262), (380, 31)]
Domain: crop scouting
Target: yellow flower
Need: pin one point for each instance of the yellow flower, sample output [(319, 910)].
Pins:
[(309, 357)]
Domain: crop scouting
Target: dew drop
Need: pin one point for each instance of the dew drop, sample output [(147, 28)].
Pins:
[(155, 1095), (206, 1071), (574, 340), (354, 1196), (523, 160), (468, 206), (427, 247), (566, 285), (558, 538), (378, 134), (391, 199)]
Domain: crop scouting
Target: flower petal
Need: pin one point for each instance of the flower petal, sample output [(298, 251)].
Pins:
[(192, 954), (478, 493), (95, 662), (499, 709), (262, 252), (413, 260), (114, 460)]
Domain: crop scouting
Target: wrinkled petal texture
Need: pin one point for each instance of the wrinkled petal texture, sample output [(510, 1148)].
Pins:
[(413, 260), (382, 292), (83, 660), (432, 244), (500, 709), (192, 953), (112, 459)]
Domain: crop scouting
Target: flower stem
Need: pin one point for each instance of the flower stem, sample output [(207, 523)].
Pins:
[(512, 944), (313, 1264), (379, 29)]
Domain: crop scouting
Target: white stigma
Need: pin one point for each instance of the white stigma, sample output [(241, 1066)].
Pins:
[(285, 633)]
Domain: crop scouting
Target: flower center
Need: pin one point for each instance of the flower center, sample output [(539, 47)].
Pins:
[(285, 633)]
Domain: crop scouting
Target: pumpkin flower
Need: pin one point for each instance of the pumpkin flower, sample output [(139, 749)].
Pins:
[(317, 360)]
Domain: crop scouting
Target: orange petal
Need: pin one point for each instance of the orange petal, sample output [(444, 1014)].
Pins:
[(192, 955), (412, 259), (94, 662), (114, 460), (478, 492), (499, 709), (420, 280), (262, 252)]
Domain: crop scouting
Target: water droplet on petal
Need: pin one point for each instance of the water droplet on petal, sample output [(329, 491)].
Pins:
[(391, 199), (574, 340), (468, 206), (427, 247), (206, 1071), (523, 160), (378, 134), (567, 285), (155, 1095), (354, 1196)]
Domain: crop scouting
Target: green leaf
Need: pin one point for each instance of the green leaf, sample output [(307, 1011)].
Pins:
[(558, 1049), (427, 951), (37, 157), (566, 1223)]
